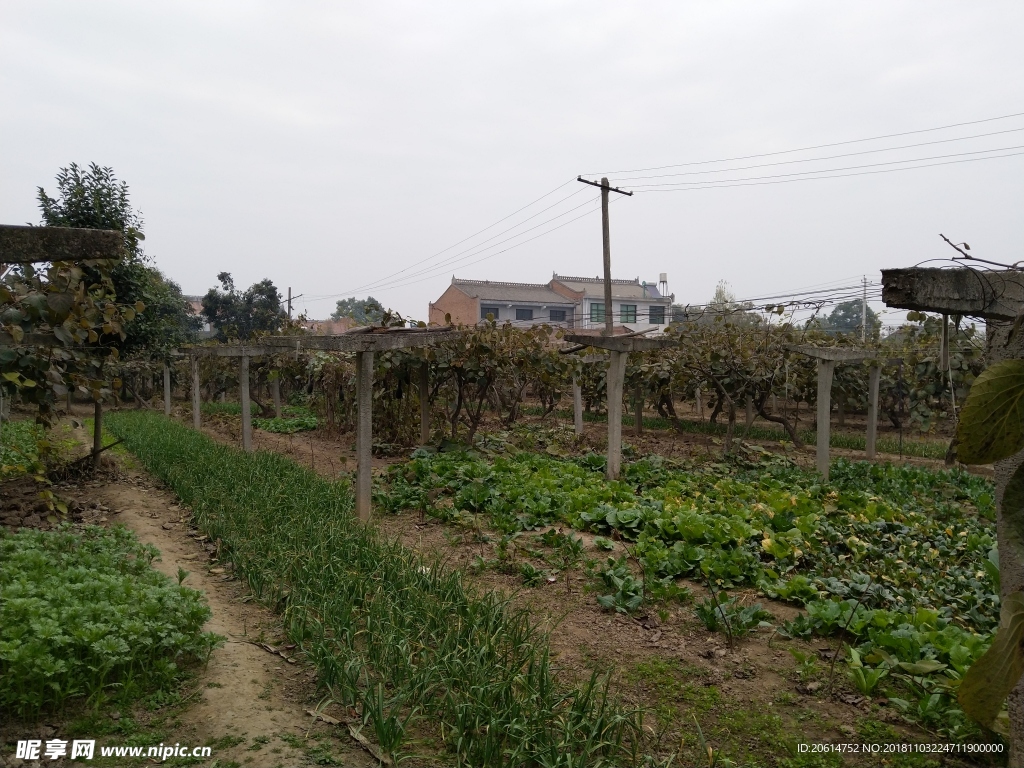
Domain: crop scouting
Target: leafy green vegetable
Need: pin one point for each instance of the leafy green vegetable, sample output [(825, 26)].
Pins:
[(19, 448), (84, 615)]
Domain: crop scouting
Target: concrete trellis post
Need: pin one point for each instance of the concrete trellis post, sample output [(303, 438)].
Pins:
[(638, 411), (243, 353), (275, 392), (825, 370), (425, 402), (97, 433), (700, 404), (167, 390), (998, 298), (750, 411), (613, 387), (243, 384), (869, 446), (827, 358), (619, 348), (364, 433), (364, 342), (577, 406), (196, 412)]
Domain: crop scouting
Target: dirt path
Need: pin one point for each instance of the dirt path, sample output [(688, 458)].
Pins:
[(250, 704)]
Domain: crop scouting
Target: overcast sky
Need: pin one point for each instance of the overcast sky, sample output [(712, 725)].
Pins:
[(328, 146)]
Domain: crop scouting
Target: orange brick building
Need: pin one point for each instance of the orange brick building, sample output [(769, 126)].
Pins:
[(566, 302)]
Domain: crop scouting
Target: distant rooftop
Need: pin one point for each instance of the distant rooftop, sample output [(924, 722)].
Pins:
[(494, 290), (594, 286)]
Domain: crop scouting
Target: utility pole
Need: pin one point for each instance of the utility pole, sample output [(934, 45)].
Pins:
[(864, 312), (609, 320), (289, 302)]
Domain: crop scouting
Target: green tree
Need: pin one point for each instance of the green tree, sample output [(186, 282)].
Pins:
[(366, 311), (847, 317), (94, 198), (241, 314), (724, 298)]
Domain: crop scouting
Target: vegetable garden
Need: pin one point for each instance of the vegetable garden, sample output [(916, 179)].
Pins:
[(896, 567)]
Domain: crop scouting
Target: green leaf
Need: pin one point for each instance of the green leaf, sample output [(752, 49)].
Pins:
[(923, 667), (991, 678), (992, 420), (63, 335), (60, 303)]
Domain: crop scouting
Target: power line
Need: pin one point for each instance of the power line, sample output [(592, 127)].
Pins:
[(472, 251), (511, 247), (830, 170), (405, 277), (711, 185), (817, 159), (478, 232), (806, 149)]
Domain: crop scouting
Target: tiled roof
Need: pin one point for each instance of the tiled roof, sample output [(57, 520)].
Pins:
[(621, 289), (491, 290)]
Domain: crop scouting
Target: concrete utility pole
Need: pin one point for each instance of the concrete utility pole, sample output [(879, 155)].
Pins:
[(289, 302), (606, 242), (609, 318)]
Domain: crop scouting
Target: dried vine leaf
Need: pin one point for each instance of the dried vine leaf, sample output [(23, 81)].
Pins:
[(991, 678), (992, 420)]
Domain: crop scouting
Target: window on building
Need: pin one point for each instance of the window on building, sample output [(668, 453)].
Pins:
[(557, 315), (627, 313), (657, 315), (524, 314), (485, 311), (596, 312)]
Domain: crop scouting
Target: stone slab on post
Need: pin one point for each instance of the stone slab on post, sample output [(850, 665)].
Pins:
[(28, 245), (275, 392), (364, 433), (243, 386), (424, 402), (613, 387), (874, 374), (826, 369), (197, 418), (167, 390), (997, 298), (577, 406)]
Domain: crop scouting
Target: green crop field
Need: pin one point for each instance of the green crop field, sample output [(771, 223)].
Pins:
[(899, 560)]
